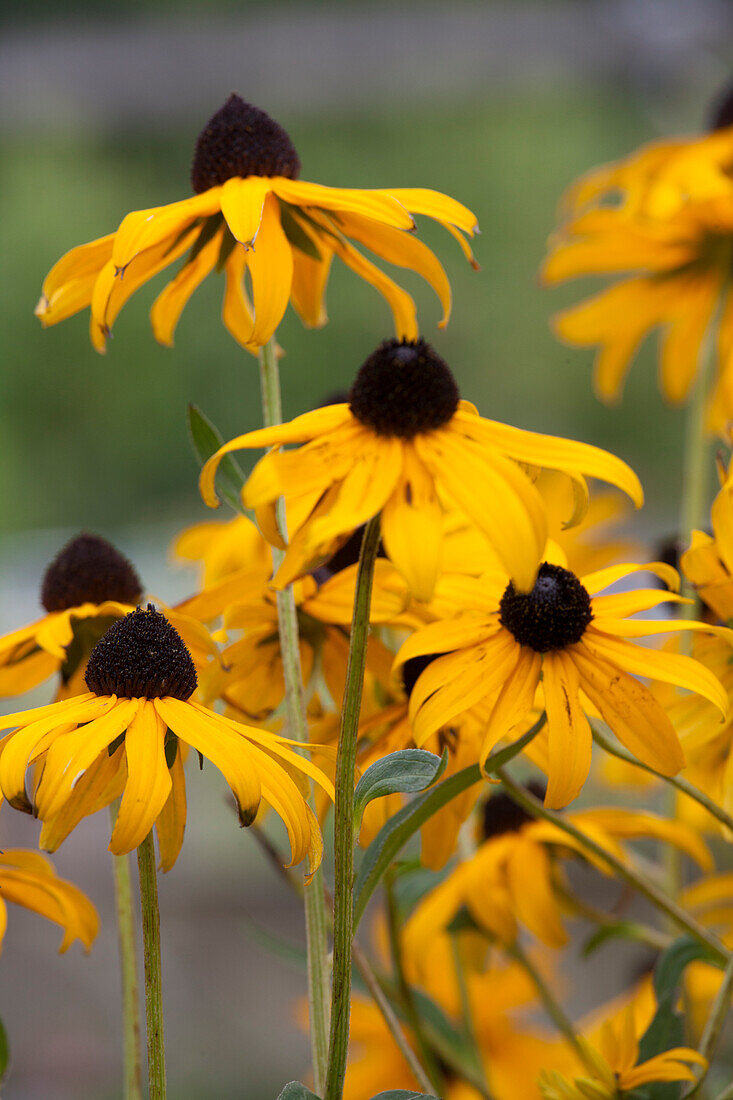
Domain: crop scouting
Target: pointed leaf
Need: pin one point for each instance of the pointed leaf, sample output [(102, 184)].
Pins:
[(295, 1091), (206, 440), (407, 771)]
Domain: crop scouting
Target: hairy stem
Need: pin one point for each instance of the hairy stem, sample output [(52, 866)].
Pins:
[(153, 980), (313, 898), (343, 916), (128, 968)]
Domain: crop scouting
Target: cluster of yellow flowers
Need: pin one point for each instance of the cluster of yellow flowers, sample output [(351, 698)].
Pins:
[(499, 625)]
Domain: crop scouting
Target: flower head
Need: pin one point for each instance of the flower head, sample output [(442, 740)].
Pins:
[(126, 735), (568, 650), (403, 446), (662, 221), (251, 214)]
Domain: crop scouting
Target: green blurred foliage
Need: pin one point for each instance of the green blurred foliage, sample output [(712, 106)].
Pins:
[(96, 441)]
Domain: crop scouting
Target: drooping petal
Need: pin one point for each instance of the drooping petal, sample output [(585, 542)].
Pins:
[(242, 204), (102, 782), (69, 284), (380, 205), (143, 229), (270, 265), (57, 900), (412, 527), (551, 452), (227, 750), (434, 204), (148, 780), (603, 578), (236, 309), (515, 701), (171, 823), (399, 301), (495, 494), (630, 710), (529, 876), (310, 276), (170, 303), (463, 632), (569, 736)]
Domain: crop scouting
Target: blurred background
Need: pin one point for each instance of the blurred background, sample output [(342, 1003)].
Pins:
[(498, 103)]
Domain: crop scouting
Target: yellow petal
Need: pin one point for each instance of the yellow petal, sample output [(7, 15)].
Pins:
[(380, 205), (514, 703), (422, 200), (603, 578), (529, 876), (236, 310), (308, 291), (399, 301), (242, 204), (171, 822), (170, 303), (69, 284), (270, 266), (569, 735), (148, 780), (143, 229), (412, 527), (102, 782)]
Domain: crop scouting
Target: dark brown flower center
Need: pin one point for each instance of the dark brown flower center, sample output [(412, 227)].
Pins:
[(404, 388), (241, 140), (141, 656), (89, 570), (553, 615), (501, 814)]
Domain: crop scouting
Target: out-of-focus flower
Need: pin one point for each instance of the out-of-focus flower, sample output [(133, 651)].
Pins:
[(29, 879), (129, 724), (405, 443), (251, 215)]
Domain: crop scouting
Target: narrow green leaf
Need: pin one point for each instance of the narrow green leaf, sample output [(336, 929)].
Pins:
[(295, 233), (622, 929), (393, 836), (206, 440), (407, 771), (4, 1050), (672, 962), (295, 1091), (403, 1094)]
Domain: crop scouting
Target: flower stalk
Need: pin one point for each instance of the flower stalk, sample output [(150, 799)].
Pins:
[(713, 1027), (153, 979), (133, 1087), (343, 916), (313, 896)]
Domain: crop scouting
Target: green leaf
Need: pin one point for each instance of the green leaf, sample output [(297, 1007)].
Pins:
[(295, 1091), (283, 949), (4, 1050), (206, 440), (393, 836), (403, 1094), (295, 233), (622, 929), (407, 771), (666, 1029)]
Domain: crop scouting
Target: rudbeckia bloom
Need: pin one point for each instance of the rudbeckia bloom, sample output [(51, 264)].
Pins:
[(566, 649), (616, 1067), (138, 708), (661, 220), (251, 214), (29, 879), (511, 880), (403, 444), (87, 586)]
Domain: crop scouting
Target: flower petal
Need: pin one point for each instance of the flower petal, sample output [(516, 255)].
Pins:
[(380, 205), (170, 303), (148, 780), (569, 736), (412, 527), (171, 822), (242, 204), (270, 266)]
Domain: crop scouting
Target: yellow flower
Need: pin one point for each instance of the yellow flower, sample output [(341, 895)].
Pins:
[(662, 220), (511, 879), (29, 879), (615, 1066), (252, 215), (569, 647), (139, 706), (709, 561), (404, 443)]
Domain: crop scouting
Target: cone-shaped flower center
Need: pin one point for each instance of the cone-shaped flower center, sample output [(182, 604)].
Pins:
[(553, 615), (414, 668), (721, 112), (89, 570), (404, 388), (501, 814), (241, 140), (141, 656)]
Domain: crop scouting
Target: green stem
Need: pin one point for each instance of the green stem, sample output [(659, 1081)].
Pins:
[(679, 784), (371, 981), (645, 887), (343, 916), (727, 1094), (433, 1080), (128, 967), (714, 1026), (552, 1007), (468, 1024), (313, 898), (151, 955)]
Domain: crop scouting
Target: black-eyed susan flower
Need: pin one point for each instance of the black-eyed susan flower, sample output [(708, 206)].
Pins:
[(87, 586), (566, 649), (29, 879), (134, 720), (512, 880), (662, 221), (614, 1068), (708, 563), (403, 444), (252, 215)]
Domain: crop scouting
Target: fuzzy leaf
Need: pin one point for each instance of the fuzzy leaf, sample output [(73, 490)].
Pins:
[(403, 1094), (407, 771), (206, 440), (295, 1091)]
